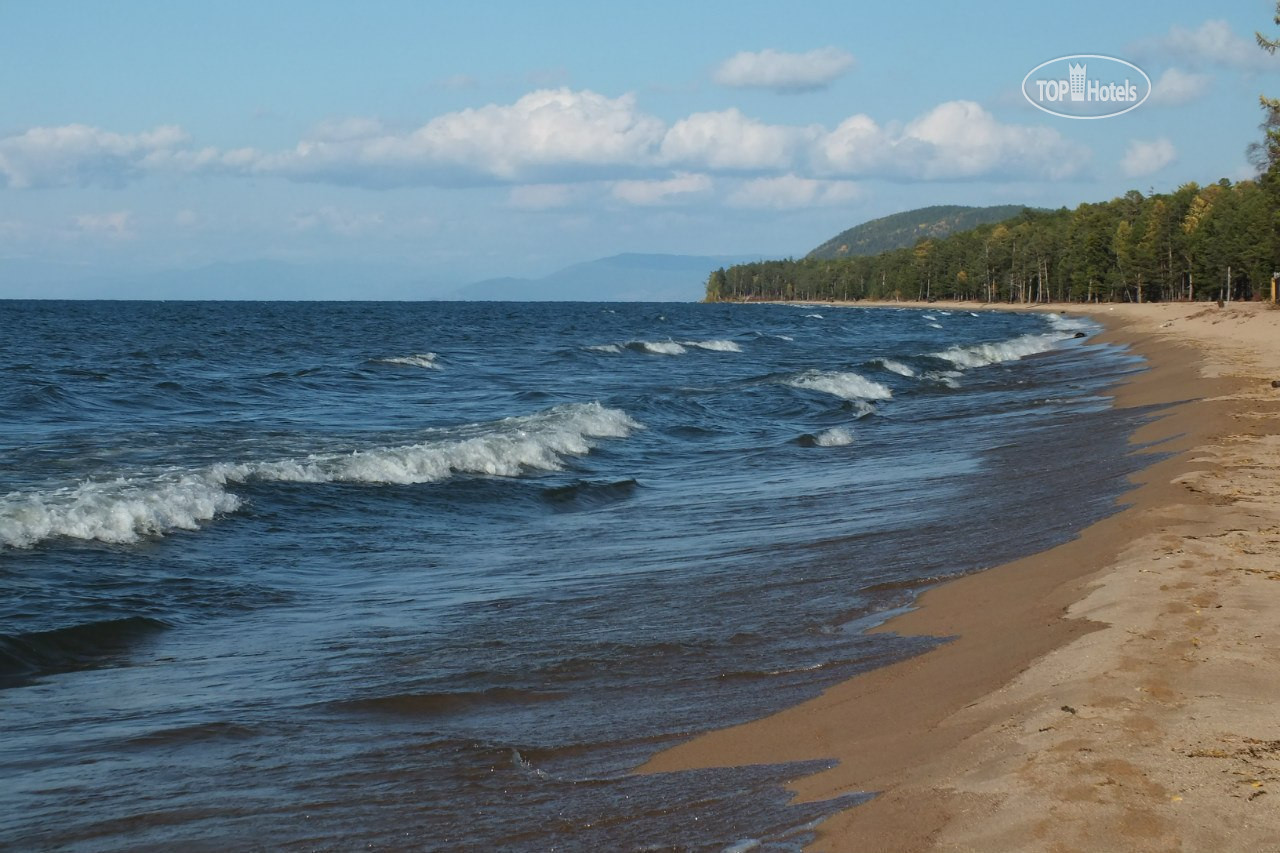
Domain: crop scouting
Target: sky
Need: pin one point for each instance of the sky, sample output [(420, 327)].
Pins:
[(443, 143)]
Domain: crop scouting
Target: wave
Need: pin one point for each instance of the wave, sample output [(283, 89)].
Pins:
[(815, 316), (834, 437), (445, 703), (935, 325), (715, 346), (128, 509), (981, 355), (948, 378), (896, 367), (588, 494), (1070, 324), (846, 386), (668, 347), (23, 656), (426, 359)]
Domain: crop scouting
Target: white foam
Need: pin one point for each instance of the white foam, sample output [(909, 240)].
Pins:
[(929, 317), (934, 326), (815, 316), (846, 386), (1069, 324), (128, 509), (426, 359), (896, 367), (116, 511), (606, 348), (662, 347), (949, 378), (981, 355), (714, 346), (834, 437)]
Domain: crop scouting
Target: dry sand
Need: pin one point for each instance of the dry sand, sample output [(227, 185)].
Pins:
[(1118, 693)]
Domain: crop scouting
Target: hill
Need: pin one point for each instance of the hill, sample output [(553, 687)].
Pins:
[(904, 230), (629, 277)]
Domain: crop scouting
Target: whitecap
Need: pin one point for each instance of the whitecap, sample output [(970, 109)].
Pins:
[(981, 355), (128, 509), (714, 346), (661, 347), (834, 437), (605, 348), (815, 316), (934, 326), (846, 386), (896, 367), (426, 359)]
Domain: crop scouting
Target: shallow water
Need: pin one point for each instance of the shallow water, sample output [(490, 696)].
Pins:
[(437, 575)]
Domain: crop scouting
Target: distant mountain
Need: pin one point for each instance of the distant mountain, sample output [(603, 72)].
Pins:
[(903, 230), (628, 277)]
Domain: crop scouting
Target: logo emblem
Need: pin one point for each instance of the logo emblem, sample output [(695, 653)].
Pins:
[(1086, 85)]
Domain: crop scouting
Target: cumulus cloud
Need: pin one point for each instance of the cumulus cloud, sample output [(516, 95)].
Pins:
[(661, 192), (1211, 44), (954, 140), (77, 154), (784, 72), (790, 191), (729, 140), (1145, 158), (1175, 87), (558, 137)]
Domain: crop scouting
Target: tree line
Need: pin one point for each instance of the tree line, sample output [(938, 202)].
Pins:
[(1213, 242)]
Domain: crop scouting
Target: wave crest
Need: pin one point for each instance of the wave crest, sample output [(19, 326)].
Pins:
[(846, 386), (126, 510)]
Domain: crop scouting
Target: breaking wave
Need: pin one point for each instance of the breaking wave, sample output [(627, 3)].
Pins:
[(426, 359), (846, 386), (896, 367), (668, 347), (981, 355), (834, 437), (127, 509)]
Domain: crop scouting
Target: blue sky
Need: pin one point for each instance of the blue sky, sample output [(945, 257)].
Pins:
[(453, 142)]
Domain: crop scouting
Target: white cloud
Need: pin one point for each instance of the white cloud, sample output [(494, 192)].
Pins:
[(730, 140), (1213, 44), (1145, 158), (80, 154), (954, 140), (790, 191), (556, 138), (1175, 87), (116, 225), (784, 72), (544, 132), (661, 192)]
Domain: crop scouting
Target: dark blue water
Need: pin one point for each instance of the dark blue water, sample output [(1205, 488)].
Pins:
[(437, 576)]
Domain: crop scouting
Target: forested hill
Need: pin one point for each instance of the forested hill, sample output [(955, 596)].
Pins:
[(905, 229), (1211, 242)]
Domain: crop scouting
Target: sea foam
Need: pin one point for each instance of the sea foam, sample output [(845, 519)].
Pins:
[(128, 509), (834, 437), (846, 386), (426, 359), (896, 367), (981, 355)]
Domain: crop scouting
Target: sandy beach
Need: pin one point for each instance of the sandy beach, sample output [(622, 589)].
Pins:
[(1115, 693)]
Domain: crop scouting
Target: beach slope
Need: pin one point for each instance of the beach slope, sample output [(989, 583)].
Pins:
[(1115, 693)]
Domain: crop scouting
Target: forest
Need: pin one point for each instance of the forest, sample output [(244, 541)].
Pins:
[(1213, 242)]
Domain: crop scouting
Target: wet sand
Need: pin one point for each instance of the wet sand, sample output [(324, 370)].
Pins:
[(1118, 692)]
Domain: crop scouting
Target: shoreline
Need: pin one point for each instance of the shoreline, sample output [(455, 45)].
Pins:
[(1114, 692)]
